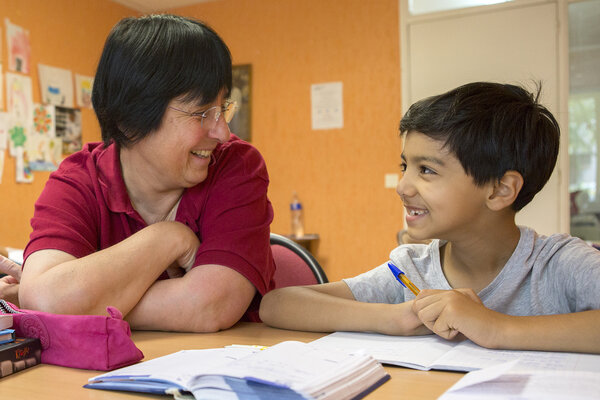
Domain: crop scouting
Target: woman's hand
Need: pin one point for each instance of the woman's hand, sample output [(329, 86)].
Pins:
[(9, 284)]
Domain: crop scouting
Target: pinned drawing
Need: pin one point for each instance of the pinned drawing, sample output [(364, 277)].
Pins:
[(3, 140), (43, 147), (23, 172), (1, 80), (68, 128), (19, 49), (20, 109), (56, 85), (83, 90)]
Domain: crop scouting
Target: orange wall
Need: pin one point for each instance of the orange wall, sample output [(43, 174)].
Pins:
[(291, 44), (338, 174), (63, 33)]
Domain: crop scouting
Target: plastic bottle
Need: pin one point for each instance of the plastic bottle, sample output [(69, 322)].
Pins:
[(297, 217)]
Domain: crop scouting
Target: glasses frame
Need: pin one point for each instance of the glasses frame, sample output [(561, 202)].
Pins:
[(231, 106)]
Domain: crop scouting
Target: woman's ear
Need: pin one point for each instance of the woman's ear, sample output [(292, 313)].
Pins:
[(505, 191)]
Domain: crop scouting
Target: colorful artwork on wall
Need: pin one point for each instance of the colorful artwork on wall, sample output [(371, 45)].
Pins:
[(19, 48), (83, 90), (43, 147), (68, 128), (56, 85)]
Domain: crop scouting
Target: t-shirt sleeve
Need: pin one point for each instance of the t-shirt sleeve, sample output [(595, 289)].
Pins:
[(62, 219), (376, 286), (236, 220), (575, 274)]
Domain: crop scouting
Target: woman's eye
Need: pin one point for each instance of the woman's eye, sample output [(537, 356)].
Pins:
[(403, 167)]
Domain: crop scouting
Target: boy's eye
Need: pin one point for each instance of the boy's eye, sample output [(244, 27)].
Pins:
[(403, 167), (426, 170)]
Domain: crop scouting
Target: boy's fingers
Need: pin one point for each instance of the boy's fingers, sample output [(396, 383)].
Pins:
[(10, 268)]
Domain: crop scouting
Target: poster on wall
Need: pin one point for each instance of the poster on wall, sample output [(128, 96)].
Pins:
[(23, 172), (1, 84), (43, 147), (19, 49), (56, 85), (3, 140), (83, 90), (327, 105), (241, 91), (19, 105), (68, 129)]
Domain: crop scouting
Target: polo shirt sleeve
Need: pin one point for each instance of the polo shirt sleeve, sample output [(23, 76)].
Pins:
[(62, 219), (236, 218)]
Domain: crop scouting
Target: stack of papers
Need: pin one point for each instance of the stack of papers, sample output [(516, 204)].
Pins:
[(510, 380), (288, 370)]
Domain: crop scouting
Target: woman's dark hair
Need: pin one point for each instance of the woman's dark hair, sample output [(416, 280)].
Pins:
[(149, 61), (492, 128)]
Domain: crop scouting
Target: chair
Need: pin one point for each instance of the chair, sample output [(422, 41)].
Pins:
[(295, 265)]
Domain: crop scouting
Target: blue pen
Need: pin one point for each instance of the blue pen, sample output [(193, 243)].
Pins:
[(401, 277)]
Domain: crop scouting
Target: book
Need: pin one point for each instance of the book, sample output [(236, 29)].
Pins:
[(7, 335), (18, 355), (288, 370), (6, 321), (433, 352)]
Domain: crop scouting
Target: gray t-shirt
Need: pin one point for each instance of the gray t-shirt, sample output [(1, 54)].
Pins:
[(545, 275)]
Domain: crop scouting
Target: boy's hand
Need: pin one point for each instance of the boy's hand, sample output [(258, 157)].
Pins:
[(402, 321), (450, 312)]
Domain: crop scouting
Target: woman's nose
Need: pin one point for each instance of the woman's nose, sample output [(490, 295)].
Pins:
[(220, 131)]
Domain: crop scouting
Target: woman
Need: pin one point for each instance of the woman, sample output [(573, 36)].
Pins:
[(170, 193)]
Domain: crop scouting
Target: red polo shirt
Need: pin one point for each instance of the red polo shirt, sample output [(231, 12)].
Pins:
[(85, 207)]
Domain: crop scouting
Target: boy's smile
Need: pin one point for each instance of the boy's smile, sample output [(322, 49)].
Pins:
[(441, 200)]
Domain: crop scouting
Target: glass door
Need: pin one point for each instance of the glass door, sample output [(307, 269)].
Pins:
[(584, 113)]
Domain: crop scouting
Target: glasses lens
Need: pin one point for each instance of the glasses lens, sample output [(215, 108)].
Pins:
[(213, 114), (229, 111)]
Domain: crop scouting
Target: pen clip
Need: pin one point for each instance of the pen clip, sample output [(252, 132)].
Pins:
[(396, 271)]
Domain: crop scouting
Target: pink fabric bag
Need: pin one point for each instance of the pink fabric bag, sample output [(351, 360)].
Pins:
[(80, 341)]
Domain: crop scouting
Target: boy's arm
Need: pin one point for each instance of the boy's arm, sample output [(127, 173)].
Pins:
[(332, 307), (449, 312)]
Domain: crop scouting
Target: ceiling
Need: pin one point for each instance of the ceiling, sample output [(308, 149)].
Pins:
[(150, 6)]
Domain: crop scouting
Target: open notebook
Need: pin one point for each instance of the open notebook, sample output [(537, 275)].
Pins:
[(433, 352), (288, 370)]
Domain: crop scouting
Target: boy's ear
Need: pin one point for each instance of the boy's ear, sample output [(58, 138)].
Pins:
[(505, 190)]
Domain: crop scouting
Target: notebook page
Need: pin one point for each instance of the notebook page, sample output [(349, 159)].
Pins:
[(419, 352), (178, 367), (296, 365), (467, 356)]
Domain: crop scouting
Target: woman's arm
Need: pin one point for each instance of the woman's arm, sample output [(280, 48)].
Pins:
[(332, 307), (118, 276), (208, 298), (9, 284)]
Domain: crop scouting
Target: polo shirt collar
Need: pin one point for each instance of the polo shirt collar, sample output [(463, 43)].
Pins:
[(114, 191)]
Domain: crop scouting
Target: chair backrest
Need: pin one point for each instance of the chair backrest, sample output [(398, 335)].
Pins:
[(295, 265)]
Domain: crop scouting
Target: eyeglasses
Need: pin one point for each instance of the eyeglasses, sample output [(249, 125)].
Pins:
[(209, 118)]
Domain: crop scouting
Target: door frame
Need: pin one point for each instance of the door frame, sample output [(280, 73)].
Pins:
[(562, 114)]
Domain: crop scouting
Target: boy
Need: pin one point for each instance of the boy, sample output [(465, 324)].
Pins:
[(472, 158)]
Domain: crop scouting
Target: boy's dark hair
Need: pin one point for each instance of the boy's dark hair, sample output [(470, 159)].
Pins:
[(492, 128), (149, 61)]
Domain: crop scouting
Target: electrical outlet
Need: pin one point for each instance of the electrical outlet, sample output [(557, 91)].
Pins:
[(391, 181)]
